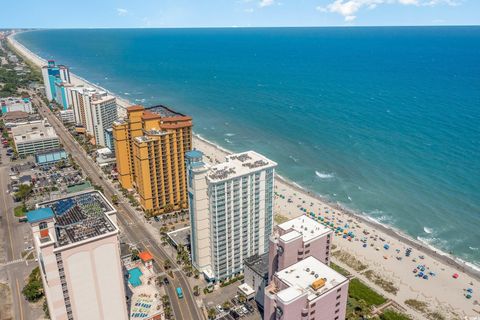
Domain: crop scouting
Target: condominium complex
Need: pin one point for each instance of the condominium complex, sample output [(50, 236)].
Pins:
[(150, 146), (33, 137), (61, 93), (93, 109), (12, 104), (67, 116), (302, 285), (231, 211), (297, 239), (307, 289), (51, 74), (76, 240)]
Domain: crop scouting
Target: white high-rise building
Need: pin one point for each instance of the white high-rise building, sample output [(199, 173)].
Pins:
[(95, 110), (76, 240), (231, 211)]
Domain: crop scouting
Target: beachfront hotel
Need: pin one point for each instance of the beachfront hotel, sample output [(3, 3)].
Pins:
[(51, 74), (298, 239), (302, 285), (308, 289), (76, 240), (231, 211), (150, 146), (95, 110)]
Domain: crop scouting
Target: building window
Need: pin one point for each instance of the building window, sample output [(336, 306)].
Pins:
[(339, 289), (43, 225), (339, 296), (337, 311), (338, 303)]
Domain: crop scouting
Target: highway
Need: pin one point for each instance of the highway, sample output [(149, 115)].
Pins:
[(13, 268), (132, 225)]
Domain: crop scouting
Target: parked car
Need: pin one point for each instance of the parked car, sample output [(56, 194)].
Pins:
[(165, 281)]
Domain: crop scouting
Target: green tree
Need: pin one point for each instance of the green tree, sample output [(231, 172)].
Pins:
[(33, 290), (23, 192), (135, 256), (212, 313), (115, 199), (196, 290)]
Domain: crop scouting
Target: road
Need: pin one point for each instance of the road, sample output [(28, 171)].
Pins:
[(13, 268), (130, 223)]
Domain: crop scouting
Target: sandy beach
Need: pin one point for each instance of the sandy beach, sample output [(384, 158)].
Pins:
[(372, 252)]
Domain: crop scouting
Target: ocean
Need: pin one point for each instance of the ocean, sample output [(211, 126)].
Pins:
[(385, 121)]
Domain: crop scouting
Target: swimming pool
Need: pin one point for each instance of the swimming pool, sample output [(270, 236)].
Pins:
[(134, 277)]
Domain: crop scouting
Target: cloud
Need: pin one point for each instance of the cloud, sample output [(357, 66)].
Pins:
[(122, 12), (266, 3), (248, 10), (349, 8)]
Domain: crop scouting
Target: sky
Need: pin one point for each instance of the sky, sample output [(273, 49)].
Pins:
[(235, 13)]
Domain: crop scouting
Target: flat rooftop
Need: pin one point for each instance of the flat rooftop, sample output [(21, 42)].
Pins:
[(164, 112), (258, 263), (239, 164), (300, 277), (80, 217), (37, 130), (180, 237), (306, 226)]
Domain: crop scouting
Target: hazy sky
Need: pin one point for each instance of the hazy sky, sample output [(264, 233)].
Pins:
[(204, 13)]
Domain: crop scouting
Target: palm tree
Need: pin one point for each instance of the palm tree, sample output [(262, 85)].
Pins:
[(196, 290), (167, 264), (212, 313)]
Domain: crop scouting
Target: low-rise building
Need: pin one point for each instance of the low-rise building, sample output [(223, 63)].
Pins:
[(105, 157), (307, 289), (255, 278), (11, 104), (78, 250), (34, 137), (45, 158), (67, 116)]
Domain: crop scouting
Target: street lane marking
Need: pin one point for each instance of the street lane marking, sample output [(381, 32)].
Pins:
[(8, 224), (19, 300)]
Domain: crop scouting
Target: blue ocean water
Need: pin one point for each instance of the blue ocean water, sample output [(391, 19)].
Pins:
[(383, 120)]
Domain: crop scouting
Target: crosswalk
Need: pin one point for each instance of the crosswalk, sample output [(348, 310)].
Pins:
[(11, 262)]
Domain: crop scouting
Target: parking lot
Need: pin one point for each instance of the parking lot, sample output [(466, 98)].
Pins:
[(238, 310)]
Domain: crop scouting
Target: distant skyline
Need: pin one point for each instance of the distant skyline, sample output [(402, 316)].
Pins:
[(236, 13)]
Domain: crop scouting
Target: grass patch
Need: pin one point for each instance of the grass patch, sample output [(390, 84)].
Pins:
[(349, 260), (20, 211), (417, 305), (279, 219), (386, 285), (393, 315), (360, 291), (339, 269)]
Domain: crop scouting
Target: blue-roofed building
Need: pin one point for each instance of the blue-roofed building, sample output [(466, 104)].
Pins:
[(50, 157), (76, 242), (39, 215)]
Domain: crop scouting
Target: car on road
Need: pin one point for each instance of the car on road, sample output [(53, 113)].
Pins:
[(179, 293), (165, 281)]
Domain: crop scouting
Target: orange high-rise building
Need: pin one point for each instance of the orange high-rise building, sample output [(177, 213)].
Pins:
[(150, 146)]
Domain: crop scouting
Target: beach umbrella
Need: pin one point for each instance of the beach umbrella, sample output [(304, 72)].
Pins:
[(469, 290), (425, 277), (386, 247), (468, 296), (420, 274), (364, 245), (455, 275)]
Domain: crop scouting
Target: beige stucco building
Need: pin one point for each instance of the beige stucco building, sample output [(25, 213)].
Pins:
[(76, 240)]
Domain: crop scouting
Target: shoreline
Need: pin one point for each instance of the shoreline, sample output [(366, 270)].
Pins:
[(447, 260), (390, 230), (399, 235)]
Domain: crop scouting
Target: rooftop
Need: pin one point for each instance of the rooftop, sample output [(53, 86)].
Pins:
[(165, 112), (80, 217), (306, 226), (239, 164), (33, 131), (258, 263), (39, 215), (145, 256), (305, 275)]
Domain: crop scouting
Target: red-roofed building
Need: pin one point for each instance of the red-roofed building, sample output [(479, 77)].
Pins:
[(146, 258)]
